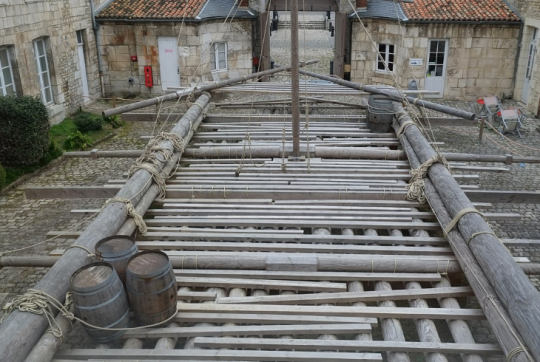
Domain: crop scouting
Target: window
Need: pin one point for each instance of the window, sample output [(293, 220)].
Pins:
[(387, 53), (44, 74), (218, 56), (7, 81), (437, 49)]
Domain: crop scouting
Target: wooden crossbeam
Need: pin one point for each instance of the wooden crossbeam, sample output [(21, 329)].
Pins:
[(339, 345), (373, 312), (375, 296), (269, 330), (261, 284)]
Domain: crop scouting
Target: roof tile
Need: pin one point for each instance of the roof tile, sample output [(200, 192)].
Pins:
[(459, 10), (152, 9)]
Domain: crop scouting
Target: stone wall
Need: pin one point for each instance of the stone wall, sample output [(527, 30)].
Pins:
[(480, 59), (23, 21), (118, 42), (530, 11)]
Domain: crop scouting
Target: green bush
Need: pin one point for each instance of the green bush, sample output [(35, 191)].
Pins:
[(76, 141), (2, 177), (115, 121), (53, 152), (88, 122), (24, 130)]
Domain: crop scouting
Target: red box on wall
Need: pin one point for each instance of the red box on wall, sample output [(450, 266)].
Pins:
[(148, 76), (133, 58)]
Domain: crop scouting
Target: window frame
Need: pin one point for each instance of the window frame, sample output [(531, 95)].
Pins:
[(43, 89), (214, 56), (3, 86), (391, 64)]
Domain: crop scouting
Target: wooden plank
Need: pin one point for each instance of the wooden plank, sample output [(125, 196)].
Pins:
[(373, 312), (288, 223), (261, 284), (374, 296), (333, 276), (262, 330), (243, 318), (337, 345), (214, 355), (277, 211), (71, 192), (302, 248), (516, 197), (200, 296)]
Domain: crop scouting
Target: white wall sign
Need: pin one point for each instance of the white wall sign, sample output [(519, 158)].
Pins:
[(415, 61)]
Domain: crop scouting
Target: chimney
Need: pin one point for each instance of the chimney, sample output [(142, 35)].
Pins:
[(361, 4), (244, 4)]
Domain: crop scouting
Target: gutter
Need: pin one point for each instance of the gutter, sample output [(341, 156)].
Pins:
[(149, 20), (95, 27), (516, 58)]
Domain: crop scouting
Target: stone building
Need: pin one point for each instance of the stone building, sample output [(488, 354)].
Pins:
[(527, 85), (47, 50), (147, 47), (463, 50)]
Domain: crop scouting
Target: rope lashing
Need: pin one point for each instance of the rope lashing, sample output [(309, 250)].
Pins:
[(458, 217), (403, 127), (90, 254), (149, 160), (139, 222), (514, 352), (40, 303), (415, 188)]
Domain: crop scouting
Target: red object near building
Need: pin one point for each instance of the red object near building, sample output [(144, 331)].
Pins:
[(148, 76)]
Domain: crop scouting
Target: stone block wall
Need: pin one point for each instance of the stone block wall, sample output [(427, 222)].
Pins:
[(480, 58), (530, 11), (118, 42), (23, 21)]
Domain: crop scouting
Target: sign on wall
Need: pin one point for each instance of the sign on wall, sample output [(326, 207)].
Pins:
[(415, 61)]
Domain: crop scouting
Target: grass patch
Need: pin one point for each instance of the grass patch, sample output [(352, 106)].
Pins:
[(60, 132), (57, 136)]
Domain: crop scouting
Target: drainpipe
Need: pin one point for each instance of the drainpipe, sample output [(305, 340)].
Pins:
[(516, 64), (95, 27)]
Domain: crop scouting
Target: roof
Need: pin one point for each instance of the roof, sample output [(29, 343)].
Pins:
[(459, 10), (381, 9), (152, 9), (224, 8)]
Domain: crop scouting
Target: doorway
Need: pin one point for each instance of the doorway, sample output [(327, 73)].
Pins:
[(436, 67), (82, 65), (169, 68)]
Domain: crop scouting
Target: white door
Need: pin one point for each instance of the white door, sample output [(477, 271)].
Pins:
[(436, 67), (169, 69), (530, 63), (82, 65)]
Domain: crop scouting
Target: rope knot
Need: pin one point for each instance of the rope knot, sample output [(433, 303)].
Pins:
[(137, 218), (415, 188)]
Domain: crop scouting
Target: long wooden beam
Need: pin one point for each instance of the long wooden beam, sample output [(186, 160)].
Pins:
[(195, 92), (20, 331), (518, 296)]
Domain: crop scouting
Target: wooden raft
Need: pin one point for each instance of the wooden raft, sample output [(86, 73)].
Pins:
[(313, 260)]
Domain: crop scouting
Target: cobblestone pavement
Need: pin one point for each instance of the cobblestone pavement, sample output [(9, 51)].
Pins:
[(26, 222)]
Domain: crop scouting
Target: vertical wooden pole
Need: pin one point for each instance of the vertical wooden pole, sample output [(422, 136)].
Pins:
[(114, 101), (295, 85), (481, 133)]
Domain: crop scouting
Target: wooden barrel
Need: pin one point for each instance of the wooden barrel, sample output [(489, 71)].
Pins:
[(99, 298), (151, 287), (116, 250), (380, 113)]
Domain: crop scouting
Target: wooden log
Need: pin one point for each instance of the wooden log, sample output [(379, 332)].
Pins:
[(503, 327), (391, 93), (262, 284), (512, 286), (256, 330), (359, 153), (334, 345), (214, 355), (459, 329), (20, 331), (195, 92), (348, 297), (368, 312)]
